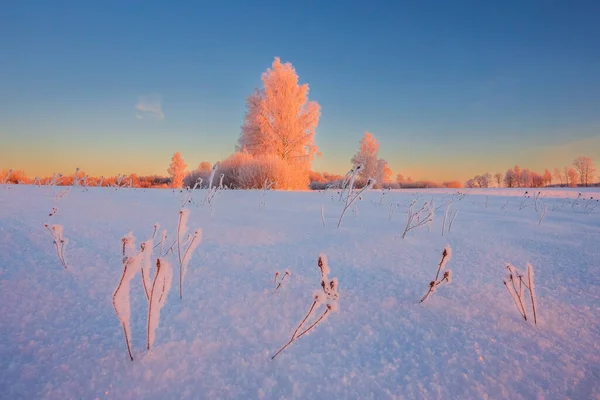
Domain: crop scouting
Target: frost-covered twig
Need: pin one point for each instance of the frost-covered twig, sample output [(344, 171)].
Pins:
[(543, 214), (532, 291), (393, 207), (417, 219), (131, 264), (350, 199), (348, 182), (452, 216), (446, 255), (516, 287), (56, 231), (323, 214), (187, 197), (328, 297), (158, 297), (524, 201), (191, 241)]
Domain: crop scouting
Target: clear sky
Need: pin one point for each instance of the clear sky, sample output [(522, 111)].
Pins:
[(450, 88)]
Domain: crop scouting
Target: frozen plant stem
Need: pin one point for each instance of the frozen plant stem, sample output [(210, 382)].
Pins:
[(58, 241), (328, 297), (419, 218), (532, 291), (352, 199), (446, 254)]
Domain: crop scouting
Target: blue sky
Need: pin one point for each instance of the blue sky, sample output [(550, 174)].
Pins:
[(450, 89)]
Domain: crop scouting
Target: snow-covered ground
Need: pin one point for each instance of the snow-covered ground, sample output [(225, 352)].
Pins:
[(60, 337)]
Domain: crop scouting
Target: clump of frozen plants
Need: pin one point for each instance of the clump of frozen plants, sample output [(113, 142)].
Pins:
[(446, 278), (516, 283), (328, 297), (419, 218)]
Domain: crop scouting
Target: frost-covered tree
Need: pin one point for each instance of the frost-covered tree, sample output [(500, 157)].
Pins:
[(585, 168), (572, 176), (558, 175), (384, 173), (498, 178), (479, 181), (510, 178), (367, 156), (177, 170), (280, 121), (517, 176), (547, 177)]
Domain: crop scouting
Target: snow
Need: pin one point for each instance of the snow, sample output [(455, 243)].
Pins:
[(60, 338)]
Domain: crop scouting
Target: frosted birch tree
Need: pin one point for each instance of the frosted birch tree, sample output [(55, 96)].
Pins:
[(281, 122), (177, 170), (367, 156)]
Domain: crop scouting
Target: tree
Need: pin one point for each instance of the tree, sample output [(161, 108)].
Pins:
[(280, 121), (399, 179), (177, 170), (367, 156), (498, 177), (537, 180), (384, 173), (572, 174), (453, 184), (558, 175), (510, 178), (517, 175), (526, 180), (479, 181), (547, 178), (585, 169)]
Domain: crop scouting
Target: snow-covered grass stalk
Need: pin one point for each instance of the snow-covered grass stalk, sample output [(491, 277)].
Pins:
[(323, 214), (181, 230), (281, 280), (351, 198), (543, 214), (417, 219), (131, 264), (56, 231), (191, 242), (393, 207), (515, 284), (445, 216), (213, 191), (590, 205), (383, 192), (158, 297), (537, 201), (452, 216), (446, 255), (328, 296), (187, 197), (524, 201), (349, 179), (532, 291), (146, 265)]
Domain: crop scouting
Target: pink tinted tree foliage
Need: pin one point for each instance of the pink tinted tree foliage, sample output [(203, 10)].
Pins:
[(281, 122), (177, 170)]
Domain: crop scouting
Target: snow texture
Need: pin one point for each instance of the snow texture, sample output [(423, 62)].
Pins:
[(59, 338)]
